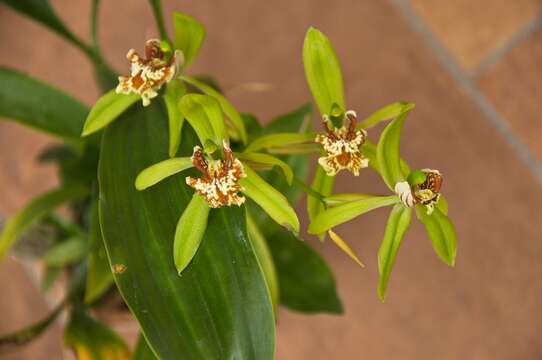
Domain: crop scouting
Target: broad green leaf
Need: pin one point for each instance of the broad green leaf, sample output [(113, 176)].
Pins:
[(343, 245), (34, 211), (398, 223), (386, 113), (189, 35), (41, 11), (92, 340), (305, 281), (322, 184), (40, 106), (220, 307), (270, 200), (388, 154), (263, 254), (159, 171), (172, 96), (205, 116), (337, 199), (99, 275), (190, 231), (323, 71), (280, 140), (67, 252), (269, 161), (107, 109), (29, 333), (143, 351), (340, 214), (227, 107), (441, 231)]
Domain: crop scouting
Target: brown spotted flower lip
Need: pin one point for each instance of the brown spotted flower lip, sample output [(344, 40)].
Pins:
[(342, 147), (147, 75), (219, 183), (427, 193)]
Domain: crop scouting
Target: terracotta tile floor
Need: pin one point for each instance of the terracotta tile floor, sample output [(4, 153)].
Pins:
[(488, 306)]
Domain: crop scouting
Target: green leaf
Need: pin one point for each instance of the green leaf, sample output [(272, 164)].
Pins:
[(340, 214), (323, 71), (263, 254), (272, 141), (270, 200), (159, 171), (388, 154), (322, 184), (190, 231), (172, 96), (442, 204), (267, 161), (29, 333), (441, 231), (297, 120), (205, 116), (99, 276), (306, 282), (93, 340), (220, 307), (189, 35), (49, 277), (143, 351), (40, 106), (398, 223), (342, 198), (388, 112), (34, 211), (41, 11), (67, 252), (227, 107), (107, 108)]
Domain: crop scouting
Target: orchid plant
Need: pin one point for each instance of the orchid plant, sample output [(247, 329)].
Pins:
[(184, 206)]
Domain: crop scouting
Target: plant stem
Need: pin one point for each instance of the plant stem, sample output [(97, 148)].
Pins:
[(156, 6), (308, 190)]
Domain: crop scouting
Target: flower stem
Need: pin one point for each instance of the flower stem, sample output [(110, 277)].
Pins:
[(156, 6)]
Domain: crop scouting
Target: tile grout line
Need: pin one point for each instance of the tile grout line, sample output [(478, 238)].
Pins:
[(516, 38), (467, 85)]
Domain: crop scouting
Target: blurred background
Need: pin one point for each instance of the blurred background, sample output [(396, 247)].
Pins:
[(474, 69)]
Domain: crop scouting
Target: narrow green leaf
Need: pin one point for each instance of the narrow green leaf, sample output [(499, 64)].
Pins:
[(29, 333), (107, 109), (189, 35), (267, 160), (306, 282), (205, 116), (323, 71), (337, 199), (227, 107), (388, 112), (159, 171), (322, 184), (340, 214), (40, 106), (220, 307), (265, 259), (388, 154), (172, 96), (143, 350), (190, 231), (34, 211), (441, 231), (67, 252), (279, 140), (93, 340), (41, 11), (270, 200), (398, 223), (99, 276)]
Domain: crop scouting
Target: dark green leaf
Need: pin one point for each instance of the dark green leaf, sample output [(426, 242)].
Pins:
[(67, 252), (398, 223), (220, 307), (40, 106), (143, 351), (306, 282)]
